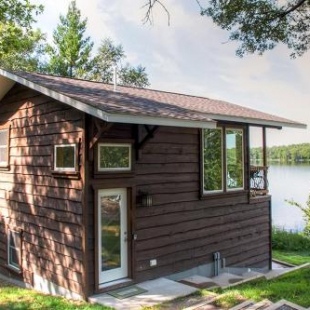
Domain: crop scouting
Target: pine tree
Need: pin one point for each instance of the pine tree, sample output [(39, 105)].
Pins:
[(70, 55), (110, 55)]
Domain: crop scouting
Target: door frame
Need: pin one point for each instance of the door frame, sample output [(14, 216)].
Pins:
[(101, 287)]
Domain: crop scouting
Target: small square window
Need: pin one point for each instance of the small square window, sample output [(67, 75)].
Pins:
[(4, 149), (65, 157), (114, 157), (14, 250)]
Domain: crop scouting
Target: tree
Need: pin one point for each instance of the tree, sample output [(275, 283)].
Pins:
[(20, 44), (306, 213), (258, 25), (110, 55), (70, 55)]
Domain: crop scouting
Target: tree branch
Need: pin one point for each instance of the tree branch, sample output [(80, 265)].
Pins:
[(293, 8), (148, 18)]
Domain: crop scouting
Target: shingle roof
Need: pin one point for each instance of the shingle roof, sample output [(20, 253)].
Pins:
[(146, 103)]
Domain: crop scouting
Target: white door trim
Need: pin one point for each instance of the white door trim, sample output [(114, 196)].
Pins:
[(121, 272)]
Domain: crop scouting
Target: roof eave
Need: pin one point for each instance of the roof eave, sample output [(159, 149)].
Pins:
[(258, 122), (108, 117)]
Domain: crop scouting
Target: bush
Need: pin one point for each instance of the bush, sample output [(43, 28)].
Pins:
[(289, 241)]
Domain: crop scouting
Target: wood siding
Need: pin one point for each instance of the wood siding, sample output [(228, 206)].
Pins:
[(182, 230), (47, 208)]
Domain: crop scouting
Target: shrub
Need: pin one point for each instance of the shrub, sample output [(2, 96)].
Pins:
[(289, 241)]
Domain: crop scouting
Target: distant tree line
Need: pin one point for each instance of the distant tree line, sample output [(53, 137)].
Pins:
[(294, 153), (71, 54)]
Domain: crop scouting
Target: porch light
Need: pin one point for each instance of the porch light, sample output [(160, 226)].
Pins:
[(146, 200)]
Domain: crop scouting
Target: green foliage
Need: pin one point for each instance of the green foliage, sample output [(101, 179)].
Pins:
[(306, 214), (70, 54), (110, 55), (293, 153), (131, 76), (20, 44), (261, 25), (289, 241)]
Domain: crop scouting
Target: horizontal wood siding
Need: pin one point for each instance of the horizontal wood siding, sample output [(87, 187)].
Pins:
[(47, 209), (183, 230)]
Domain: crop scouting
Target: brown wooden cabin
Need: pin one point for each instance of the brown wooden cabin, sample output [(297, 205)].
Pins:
[(102, 188)]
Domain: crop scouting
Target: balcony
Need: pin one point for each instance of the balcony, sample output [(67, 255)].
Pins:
[(258, 181)]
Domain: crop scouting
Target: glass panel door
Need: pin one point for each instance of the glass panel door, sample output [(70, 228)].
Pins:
[(112, 241)]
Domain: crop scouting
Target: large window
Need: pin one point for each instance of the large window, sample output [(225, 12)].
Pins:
[(4, 149), (14, 250), (114, 157), (223, 160)]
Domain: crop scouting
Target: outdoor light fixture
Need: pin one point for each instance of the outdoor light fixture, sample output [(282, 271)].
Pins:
[(146, 200)]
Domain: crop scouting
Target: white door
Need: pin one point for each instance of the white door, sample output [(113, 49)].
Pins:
[(112, 234)]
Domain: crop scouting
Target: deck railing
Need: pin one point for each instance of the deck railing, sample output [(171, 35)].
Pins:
[(258, 181)]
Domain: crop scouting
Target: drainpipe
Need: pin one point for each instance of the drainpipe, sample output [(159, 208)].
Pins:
[(217, 263)]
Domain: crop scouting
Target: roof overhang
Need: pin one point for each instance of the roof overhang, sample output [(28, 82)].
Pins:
[(8, 79)]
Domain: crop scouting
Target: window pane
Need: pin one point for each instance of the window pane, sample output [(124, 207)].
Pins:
[(3, 137), (14, 244), (65, 156), (4, 146), (234, 158), (114, 157), (212, 161)]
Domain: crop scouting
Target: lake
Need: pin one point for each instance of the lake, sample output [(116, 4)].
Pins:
[(290, 182)]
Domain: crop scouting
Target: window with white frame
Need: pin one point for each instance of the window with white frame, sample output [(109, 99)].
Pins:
[(223, 160), (4, 148), (14, 249), (114, 157), (65, 157)]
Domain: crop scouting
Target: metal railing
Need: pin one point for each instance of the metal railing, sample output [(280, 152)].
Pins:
[(258, 180)]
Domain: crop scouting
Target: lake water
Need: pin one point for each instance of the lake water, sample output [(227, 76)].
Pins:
[(290, 182)]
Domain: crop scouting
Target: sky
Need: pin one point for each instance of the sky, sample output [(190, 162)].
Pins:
[(193, 56)]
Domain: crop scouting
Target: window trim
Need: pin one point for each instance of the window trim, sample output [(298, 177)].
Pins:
[(117, 144), (243, 160), (10, 265), (222, 162), (64, 169), (225, 189), (6, 165)]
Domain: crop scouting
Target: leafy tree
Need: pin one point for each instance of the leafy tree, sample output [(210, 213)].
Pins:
[(258, 25), (70, 55), (131, 76), (306, 213), (20, 44), (110, 55)]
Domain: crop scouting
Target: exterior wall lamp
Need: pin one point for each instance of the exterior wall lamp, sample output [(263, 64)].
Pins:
[(146, 200)]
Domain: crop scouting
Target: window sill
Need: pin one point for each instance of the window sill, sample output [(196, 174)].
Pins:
[(66, 174), (15, 270), (5, 168), (205, 195)]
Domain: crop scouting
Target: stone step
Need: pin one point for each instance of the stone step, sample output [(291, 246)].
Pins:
[(285, 305), (252, 305), (244, 305)]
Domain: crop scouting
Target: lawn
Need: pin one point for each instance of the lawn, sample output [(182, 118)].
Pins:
[(292, 257), (15, 298), (293, 287)]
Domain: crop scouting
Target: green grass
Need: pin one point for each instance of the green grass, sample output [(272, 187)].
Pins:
[(293, 287), (292, 257), (15, 298)]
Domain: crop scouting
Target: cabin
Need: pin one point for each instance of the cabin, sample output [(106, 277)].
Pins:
[(101, 188)]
